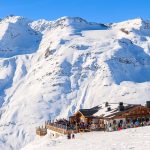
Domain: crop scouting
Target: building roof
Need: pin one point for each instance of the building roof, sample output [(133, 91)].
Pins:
[(102, 110), (117, 112), (90, 112), (114, 110)]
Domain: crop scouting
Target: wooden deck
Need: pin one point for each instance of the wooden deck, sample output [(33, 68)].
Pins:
[(60, 130)]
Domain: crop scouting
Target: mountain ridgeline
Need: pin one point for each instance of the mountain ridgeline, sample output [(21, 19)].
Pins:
[(50, 69)]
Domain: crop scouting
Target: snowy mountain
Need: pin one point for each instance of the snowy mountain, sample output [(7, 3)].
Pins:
[(50, 69)]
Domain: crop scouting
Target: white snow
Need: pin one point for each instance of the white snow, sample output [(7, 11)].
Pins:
[(50, 69), (135, 139)]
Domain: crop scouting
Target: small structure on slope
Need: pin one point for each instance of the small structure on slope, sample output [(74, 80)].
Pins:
[(41, 131)]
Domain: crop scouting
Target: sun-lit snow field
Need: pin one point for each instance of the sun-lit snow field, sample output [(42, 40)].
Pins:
[(50, 69), (130, 139)]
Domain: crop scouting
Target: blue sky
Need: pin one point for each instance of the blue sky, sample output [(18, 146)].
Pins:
[(91, 10)]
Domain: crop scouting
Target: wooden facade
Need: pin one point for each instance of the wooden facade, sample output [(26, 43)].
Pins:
[(94, 122), (132, 113), (41, 131), (78, 117), (60, 130), (134, 116)]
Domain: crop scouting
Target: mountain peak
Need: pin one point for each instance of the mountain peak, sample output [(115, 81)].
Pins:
[(15, 19), (137, 24), (77, 23), (71, 20)]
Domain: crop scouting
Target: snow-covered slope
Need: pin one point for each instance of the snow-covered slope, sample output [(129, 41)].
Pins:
[(50, 69), (135, 139), (17, 37)]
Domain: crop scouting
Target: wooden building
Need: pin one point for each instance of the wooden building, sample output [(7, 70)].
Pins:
[(84, 115), (86, 118), (41, 131), (125, 116), (107, 116), (133, 112)]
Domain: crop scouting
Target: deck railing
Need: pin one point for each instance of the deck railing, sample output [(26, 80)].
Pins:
[(60, 128), (56, 127)]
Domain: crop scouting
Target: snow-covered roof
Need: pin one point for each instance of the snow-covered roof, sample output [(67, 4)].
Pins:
[(114, 110), (108, 111), (91, 111)]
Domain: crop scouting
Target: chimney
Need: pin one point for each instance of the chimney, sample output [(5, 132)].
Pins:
[(120, 103), (109, 109), (148, 104), (106, 104), (121, 106)]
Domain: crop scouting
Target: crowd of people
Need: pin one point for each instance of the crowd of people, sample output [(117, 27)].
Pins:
[(124, 124), (114, 125), (65, 124), (62, 123), (82, 126)]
